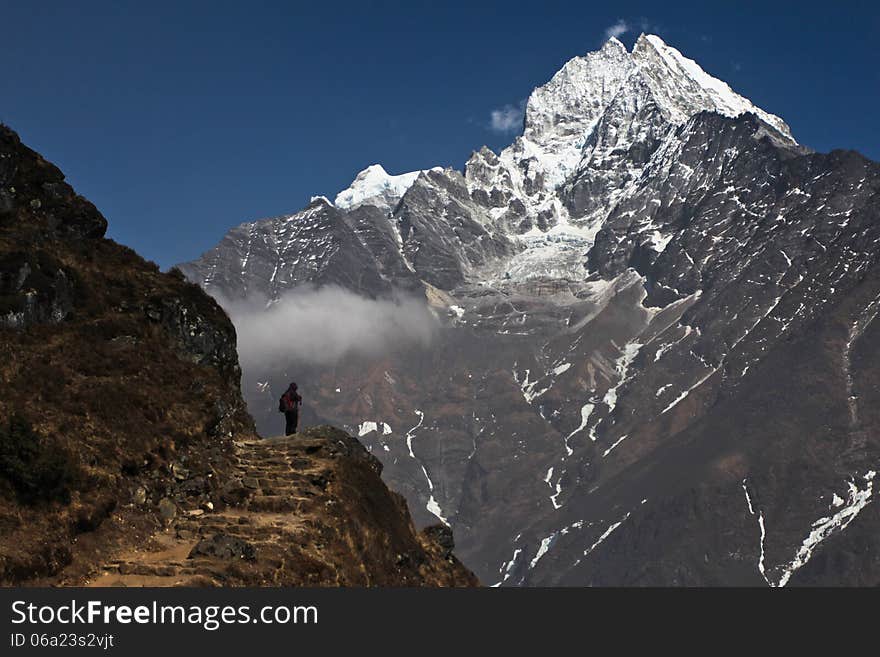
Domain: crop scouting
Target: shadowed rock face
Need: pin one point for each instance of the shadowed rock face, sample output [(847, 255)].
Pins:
[(656, 357), (122, 427)]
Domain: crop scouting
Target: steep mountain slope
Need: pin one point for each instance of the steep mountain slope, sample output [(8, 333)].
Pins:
[(121, 419), (653, 365)]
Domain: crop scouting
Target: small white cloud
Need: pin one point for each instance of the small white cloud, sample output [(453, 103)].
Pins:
[(508, 118), (617, 30)]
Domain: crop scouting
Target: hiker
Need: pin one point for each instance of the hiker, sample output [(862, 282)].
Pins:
[(289, 405)]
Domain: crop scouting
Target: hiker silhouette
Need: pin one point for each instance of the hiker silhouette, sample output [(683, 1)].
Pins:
[(289, 405)]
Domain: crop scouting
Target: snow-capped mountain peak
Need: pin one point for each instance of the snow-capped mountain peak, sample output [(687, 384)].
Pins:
[(375, 186), (591, 129), (682, 88)]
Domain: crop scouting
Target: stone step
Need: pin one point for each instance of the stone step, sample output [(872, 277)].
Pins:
[(161, 570), (274, 503), (282, 481)]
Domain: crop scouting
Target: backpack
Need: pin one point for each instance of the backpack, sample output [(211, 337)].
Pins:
[(288, 403)]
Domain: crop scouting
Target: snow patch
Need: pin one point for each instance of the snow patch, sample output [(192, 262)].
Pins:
[(367, 427), (858, 498), (760, 514), (507, 568), (561, 368), (616, 443), (546, 544), (606, 534), (586, 411)]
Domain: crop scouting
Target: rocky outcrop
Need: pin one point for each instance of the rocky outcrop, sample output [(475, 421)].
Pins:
[(34, 290), (35, 199)]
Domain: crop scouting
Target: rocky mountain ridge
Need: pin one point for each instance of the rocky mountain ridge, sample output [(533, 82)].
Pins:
[(657, 325)]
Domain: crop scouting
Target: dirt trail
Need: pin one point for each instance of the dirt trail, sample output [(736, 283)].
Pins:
[(276, 473), (309, 509)]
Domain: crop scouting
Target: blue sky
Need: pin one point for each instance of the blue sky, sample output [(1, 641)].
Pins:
[(180, 120)]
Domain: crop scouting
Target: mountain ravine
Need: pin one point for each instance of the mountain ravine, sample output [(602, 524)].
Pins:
[(654, 354), (127, 456)]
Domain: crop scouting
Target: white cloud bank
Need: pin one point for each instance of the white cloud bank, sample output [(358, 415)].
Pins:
[(320, 326)]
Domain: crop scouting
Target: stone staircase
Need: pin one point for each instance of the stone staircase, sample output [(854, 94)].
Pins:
[(304, 510), (278, 481)]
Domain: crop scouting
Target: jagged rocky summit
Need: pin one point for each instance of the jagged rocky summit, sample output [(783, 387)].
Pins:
[(656, 355)]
